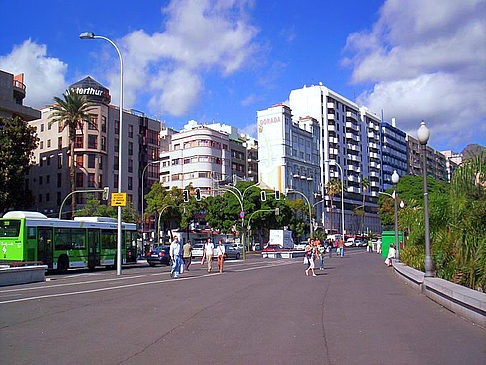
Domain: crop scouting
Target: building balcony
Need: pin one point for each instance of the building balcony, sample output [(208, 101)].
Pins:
[(354, 178), (353, 158), (376, 165), (331, 128), (333, 151), (334, 174), (352, 126), (352, 115), (330, 105), (352, 136), (333, 140), (330, 117), (374, 184), (374, 174), (353, 168), (374, 155), (374, 193), (352, 189), (352, 147), (372, 135)]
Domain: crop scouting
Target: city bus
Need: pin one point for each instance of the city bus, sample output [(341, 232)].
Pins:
[(62, 244)]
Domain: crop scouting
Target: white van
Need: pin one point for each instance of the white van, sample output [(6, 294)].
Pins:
[(349, 242)]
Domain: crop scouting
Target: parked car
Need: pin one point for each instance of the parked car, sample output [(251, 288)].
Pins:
[(349, 242), (158, 255), (359, 243), (198, 250), (300, 246), (232, 251)]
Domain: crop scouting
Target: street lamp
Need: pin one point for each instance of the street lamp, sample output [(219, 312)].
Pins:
[(90, 35), (423, 134), (290, 191), (143, 202), (395, 179)]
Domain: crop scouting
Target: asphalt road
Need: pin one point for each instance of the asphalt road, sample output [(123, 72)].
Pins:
[(259, 312)]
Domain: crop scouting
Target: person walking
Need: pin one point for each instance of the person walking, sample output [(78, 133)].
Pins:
[(175, 252), (329, 247), (310, 254), (187, 254), (208, 253), (341, 247), (220, 253), (321, 251), (391, 255), (369, 248)]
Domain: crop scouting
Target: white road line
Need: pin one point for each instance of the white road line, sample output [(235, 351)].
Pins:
[(129, 285)]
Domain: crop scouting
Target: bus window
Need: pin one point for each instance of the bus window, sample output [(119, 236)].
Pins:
[(63, 239), (31, 233), (78, 238), (9, 228), (108, 239)]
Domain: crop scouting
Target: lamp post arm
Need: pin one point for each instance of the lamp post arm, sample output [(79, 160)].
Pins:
[(251, 186), (160, 216), (74, 192), (310, 209)]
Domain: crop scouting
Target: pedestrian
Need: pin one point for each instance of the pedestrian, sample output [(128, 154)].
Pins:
[(321, 250), (341, 247), (208, 253), (187, 254), (378, 246), (221, 253), (310, 254), (175, 251), (329, 247), (391, 255), (369, 247)]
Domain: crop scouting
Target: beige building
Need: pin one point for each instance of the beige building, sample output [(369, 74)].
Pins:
[(436, 161), (95, 152)]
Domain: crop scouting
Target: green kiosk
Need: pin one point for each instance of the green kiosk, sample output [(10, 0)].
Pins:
[(388, 238)]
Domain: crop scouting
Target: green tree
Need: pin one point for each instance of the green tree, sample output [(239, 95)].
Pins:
[(333, 187), (96, 208), (18, 140), (72, 113), (365, 184), (165, 201)]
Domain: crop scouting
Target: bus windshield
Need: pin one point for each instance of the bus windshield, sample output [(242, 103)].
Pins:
[(9, 228)]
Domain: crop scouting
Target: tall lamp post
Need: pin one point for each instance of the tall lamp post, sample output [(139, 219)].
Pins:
[(143, 202), (90, 35), (290, 191), (342, 196), (395, 179), (423, 134)]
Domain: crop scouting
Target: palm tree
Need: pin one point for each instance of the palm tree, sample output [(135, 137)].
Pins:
[(333, 187), (365, 184), (71, 112)]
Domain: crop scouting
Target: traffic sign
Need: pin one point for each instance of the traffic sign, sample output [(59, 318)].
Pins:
[(118, 199), (242, 214)]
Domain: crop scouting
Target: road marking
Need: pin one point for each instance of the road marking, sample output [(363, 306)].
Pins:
[(131, 285)]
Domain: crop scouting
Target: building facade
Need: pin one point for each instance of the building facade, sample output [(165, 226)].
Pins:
[(453, 159), (436, 161), (95, 152), (350, 138), (288, 153), (12, 94), (393, 151)]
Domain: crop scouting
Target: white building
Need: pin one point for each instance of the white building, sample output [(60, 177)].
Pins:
[(288, 152), (351, 138)]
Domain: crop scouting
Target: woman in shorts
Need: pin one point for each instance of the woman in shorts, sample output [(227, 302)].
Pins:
[(310, 254)]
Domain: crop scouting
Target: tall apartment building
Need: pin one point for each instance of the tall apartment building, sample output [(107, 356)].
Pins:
[(288, 153), (393, 151), (95, 152), (453, 159), (12, 94), (351, 138), (197, 155), (436, 161)]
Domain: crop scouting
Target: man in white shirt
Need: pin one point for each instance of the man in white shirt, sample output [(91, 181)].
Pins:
[(175, 253), (208, 253)]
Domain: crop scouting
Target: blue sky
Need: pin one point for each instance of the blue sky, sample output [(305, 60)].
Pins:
[(223, 60)]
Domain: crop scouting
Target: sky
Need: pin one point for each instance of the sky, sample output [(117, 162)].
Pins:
[(223, 60)]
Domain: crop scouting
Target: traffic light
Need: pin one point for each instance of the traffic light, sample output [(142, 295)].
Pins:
[(277, 211), (263, 195), (186, 195), (198, 194), (277, 194), (106, 193)]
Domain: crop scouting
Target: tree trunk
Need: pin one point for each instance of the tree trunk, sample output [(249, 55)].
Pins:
[(331, 216), (364, 211), (72, 177)]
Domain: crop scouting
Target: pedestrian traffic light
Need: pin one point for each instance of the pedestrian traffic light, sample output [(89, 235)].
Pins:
[(263, 195), (186, 195), (198, 194), (277, 211), (277, 194), (106, 193)]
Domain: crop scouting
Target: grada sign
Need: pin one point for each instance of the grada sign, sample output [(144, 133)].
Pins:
[(269, 120)]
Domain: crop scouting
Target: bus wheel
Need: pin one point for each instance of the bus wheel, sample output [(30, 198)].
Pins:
[(63, 264)]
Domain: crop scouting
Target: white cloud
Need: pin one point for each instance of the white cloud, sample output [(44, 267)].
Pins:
[(44, 76), (427, 61), (251, 130), (250, 99), (199, 35)]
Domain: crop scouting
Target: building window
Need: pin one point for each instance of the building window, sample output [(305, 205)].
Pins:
[(117, 127), (59, 142), (40, 180), (48, 179), (100, 180), (130, 197), (58, 198), (40, 198), (49, 160), (92, 141), (59, 127), (48, 197), (59, 180), (48, 143), (103, 123), (79, 180), (41, 145), (42, 127), (91, 180), (130, 148), (79, 160), (100, 162), (115, 182), (59, 160), (130, 130), (78, 142), (130, 165), (130, 183), (116, 145), (93, 126), (115, 163), (91, 160), (103, 143)]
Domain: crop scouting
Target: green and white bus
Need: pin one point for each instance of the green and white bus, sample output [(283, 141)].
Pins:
[(62, 244)]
